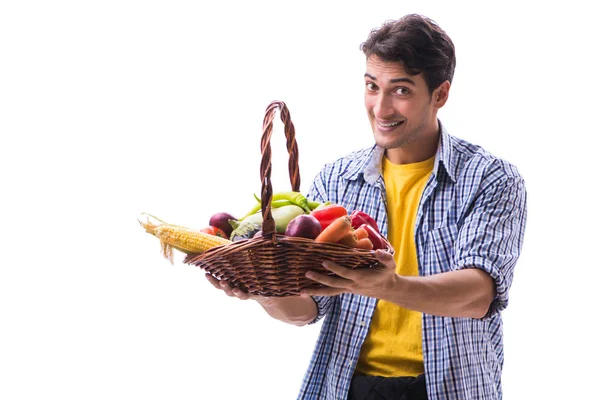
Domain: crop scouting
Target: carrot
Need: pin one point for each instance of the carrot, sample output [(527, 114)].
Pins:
[(349, 239), (364, 244), (336, 230), (361, 233)]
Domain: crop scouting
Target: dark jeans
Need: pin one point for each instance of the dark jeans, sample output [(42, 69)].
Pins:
[(365, 387)]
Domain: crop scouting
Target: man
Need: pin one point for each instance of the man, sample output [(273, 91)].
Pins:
[(425, 323)]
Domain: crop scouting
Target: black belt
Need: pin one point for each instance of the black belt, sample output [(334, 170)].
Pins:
[(366, 387)]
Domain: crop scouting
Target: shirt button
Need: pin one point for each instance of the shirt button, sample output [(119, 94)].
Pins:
[(362, 323)]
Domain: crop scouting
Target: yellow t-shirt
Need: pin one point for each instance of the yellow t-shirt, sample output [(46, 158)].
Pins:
[(393, 346)]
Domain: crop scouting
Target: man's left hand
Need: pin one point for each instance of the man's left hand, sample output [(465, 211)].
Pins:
[(371, 282)]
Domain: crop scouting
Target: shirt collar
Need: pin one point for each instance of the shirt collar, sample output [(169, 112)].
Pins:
[(368, 163), (446, 155)]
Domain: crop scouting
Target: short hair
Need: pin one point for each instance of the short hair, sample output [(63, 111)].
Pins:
[(419, 44)]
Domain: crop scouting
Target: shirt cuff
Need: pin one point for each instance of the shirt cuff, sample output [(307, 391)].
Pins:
[(500, 302), (322, 307)]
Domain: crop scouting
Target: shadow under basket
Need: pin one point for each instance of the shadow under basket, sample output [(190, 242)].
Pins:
[(274, 265)]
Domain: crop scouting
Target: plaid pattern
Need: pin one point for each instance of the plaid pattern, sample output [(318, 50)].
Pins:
[(472, 215)]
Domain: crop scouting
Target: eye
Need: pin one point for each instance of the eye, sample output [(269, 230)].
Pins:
[(371, 87), (402, 91)]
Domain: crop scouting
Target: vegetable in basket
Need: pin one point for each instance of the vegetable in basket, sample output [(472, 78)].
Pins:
[(360, 217), (212, 230), (296, 198), (221, 221), (248, 227), (374, 237), (327, 214), (336, 230), (274, 204), (177, 237), (305, 226)]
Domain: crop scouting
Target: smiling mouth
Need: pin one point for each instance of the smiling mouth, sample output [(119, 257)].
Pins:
[(389, 124)]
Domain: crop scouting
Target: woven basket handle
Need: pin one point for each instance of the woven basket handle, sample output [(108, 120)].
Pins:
[(268, 225)]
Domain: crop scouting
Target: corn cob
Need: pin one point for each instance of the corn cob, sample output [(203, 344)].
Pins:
[(181, 238)]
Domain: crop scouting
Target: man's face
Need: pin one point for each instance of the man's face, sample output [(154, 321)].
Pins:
[(400, 108)]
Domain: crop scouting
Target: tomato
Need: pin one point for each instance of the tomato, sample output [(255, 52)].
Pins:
[(326, 215), (211, 230)]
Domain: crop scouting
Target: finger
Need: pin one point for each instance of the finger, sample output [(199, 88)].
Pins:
[(327, 280), (385, 258), (339, 270), (226, 287), (240, 294), (213, 281)]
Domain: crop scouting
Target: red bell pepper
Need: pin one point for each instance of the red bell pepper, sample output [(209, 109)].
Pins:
[(327, 214), (358, 218), (374, 237)]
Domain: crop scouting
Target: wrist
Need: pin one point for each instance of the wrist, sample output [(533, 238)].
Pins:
[(394, 289)]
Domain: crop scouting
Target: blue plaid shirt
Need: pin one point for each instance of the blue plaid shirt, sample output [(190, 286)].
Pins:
[(471, 215)]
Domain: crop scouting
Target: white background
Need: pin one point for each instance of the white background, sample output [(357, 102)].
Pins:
[(113, 108)]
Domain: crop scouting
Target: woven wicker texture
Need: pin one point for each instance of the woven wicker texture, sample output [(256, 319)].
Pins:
[(274, 265)]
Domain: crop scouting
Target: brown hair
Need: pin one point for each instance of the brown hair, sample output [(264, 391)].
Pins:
[(419, 44)]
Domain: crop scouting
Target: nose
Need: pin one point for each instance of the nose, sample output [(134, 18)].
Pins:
[(383, 107)]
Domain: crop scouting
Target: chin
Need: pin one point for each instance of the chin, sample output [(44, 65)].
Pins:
[(387, 142)]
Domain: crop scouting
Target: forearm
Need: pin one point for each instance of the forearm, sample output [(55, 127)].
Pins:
[(294, 310), (463, 293)]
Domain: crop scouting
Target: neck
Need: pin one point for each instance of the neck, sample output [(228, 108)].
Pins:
[(418, 150)]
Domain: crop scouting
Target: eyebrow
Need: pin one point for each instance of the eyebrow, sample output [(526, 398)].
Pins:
[(395, 80)]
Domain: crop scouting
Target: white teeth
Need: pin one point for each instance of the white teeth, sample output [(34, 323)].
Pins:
[(389, 125)]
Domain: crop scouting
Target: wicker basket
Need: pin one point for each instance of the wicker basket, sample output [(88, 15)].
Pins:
[(274, 265)]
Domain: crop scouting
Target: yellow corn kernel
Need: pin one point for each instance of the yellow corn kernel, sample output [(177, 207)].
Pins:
[(181, 238), (187, 240)]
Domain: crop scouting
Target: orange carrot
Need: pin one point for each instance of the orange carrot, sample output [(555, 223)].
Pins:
[(361, 233), (336, 230), (364, 244), (349, 239)]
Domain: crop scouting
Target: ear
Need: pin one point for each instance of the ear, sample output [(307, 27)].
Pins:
[(440, 95)]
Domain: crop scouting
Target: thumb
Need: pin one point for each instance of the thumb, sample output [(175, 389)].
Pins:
[(384, 257)]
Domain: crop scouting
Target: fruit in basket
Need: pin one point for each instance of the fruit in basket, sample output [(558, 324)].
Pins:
[(221, 221), (305, 226), (327, 214), (211, 230)]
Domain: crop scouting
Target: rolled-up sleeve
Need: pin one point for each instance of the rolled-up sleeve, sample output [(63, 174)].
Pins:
[(491, 236)]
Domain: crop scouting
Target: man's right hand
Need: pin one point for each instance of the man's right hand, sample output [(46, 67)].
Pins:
[(294, 310), (233, 292)]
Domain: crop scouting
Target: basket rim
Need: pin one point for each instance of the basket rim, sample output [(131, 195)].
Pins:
[(279, 239)]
